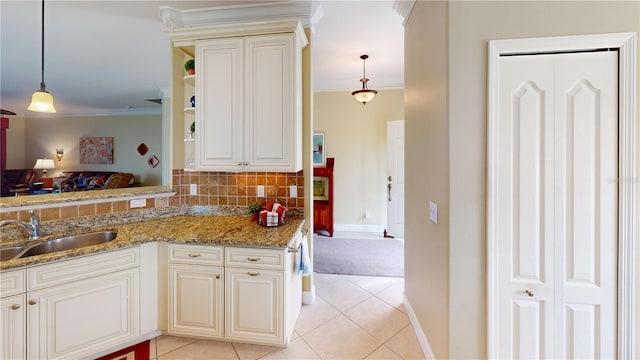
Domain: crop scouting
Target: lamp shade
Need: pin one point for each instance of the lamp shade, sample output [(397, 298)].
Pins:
[(44, 164), (42, 101), (364, 95)]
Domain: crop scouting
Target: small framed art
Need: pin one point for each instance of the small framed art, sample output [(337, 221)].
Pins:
[(319, 151)]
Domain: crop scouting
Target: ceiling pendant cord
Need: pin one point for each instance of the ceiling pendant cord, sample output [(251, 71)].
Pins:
[(42, 100)]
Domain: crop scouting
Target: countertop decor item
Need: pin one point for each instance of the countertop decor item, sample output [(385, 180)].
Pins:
[(193, 101), (254, 210)]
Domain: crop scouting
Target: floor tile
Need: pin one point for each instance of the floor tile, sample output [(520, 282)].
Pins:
[(383, 353), (378, 318), (166, 343), (406, 344), (152, 349), (297, 350), (202, 349), (341, 338), (393, 296), (322, 280), (372, 284), (343, 295), (252, 352), (312, 316)]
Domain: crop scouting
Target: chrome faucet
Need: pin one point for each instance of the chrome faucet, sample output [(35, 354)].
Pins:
[(32, 227)]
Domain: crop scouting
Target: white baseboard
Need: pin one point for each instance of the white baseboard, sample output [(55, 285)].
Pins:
[(309, 297), (422, 339), (359, 228)]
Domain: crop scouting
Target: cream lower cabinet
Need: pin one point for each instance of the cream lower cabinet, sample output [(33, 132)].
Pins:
[(196, 288), (13, 341), (263, 295), (255, 300), (81, 307)]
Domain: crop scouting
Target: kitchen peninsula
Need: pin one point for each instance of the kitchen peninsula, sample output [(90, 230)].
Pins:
[(212, 274)]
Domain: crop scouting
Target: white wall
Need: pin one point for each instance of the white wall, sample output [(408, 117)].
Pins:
[(355, 135), (469, 25), (44, 135)]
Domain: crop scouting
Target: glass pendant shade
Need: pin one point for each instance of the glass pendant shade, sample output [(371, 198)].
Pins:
[(42, 101), (364, 95)]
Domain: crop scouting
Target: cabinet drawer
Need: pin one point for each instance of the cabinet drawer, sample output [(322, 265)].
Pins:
[(12, 282), (195, 254), (255, 258), (81, 268)]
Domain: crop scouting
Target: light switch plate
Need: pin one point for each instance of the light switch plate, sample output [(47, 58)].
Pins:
[(193, 189), (260, 191), (138, 203), (433, 212), (293, 191)]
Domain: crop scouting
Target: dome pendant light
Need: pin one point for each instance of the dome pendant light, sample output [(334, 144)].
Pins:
[(365, 94), (42, 101)]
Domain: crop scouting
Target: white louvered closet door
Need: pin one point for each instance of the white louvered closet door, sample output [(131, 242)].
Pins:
[(557, 208)]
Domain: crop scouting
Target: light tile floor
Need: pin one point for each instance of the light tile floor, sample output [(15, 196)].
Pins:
[(354, 317)]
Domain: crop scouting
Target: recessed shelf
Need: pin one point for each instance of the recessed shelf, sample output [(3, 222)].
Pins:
[(189, 109), (190, 78), (189, 140)]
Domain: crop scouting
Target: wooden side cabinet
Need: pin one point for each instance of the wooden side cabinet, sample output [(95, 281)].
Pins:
[(323, 198)]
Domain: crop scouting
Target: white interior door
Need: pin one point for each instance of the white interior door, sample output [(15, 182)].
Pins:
[(395, 178), (557, 146)]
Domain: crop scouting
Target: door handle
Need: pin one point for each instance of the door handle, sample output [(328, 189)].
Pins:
[(389, 188), (529, 292)]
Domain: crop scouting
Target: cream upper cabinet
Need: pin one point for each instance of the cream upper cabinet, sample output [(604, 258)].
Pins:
[(248, 91)]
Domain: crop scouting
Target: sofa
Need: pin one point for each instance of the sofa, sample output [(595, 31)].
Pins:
[(16, 179), (92, 180)]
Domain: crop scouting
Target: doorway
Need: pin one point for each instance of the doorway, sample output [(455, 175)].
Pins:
[(560, 220), (395, 179)]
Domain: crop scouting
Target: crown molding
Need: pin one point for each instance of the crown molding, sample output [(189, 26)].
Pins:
[(307, 11), (404, 8)]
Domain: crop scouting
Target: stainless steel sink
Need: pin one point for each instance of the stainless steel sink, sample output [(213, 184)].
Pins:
[(9, 253), (60, 244)]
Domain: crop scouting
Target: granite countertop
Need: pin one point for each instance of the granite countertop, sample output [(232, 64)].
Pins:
[(183, 229)]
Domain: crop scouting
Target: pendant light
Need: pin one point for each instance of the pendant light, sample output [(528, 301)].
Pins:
[(365, 94), (42, 101)]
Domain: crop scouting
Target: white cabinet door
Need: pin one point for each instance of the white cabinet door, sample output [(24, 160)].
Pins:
[(255, 301), (196, 300), (13, 343), (85, 317), (272, 130), (248, 96), (220, 101)]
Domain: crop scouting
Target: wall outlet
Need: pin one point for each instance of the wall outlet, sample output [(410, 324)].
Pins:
[(433, 212), (367, 214), (162, 202), (260, 191), (293, 191), (137, 203), (193, 189)]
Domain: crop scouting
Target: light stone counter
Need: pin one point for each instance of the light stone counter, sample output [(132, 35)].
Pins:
[(182, 229)]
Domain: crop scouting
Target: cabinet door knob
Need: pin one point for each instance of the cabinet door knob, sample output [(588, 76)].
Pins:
[(253, 273), (217, 276), (33, 302), (529, 292), (254, 259), (15, 306), (194, 255)]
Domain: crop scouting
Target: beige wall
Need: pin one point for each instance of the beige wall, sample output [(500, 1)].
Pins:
[(470, 25), (44, 135), (16, 144), (427, 171), (355, 135)]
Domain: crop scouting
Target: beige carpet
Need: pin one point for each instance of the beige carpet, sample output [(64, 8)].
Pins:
[(346, 256)]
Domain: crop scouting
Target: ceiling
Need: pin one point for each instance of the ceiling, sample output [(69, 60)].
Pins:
[(107, 57)]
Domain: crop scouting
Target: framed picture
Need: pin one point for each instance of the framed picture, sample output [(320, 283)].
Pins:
[(319, 153), (320, 188)]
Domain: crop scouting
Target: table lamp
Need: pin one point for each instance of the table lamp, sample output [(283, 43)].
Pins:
[(44, 164)]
